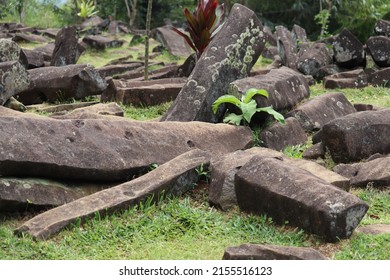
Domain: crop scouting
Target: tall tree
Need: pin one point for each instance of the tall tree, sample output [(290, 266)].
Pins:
[(148, 21)]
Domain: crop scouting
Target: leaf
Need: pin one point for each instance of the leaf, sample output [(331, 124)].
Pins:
[(252, 92), (279, 117), (248, 110), (232, 118), (225, 99), (185, 36)]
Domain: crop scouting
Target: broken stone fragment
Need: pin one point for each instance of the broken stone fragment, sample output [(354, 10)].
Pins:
[(289, 193), (170, 179), (271, 252), (13, 79)]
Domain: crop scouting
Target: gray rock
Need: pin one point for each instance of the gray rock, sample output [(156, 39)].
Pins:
[(13, 79), (287, 47), (350, 79), (28, 38), (348, 51), (299, 35), (375, 173), (285, 88), (114, 70), (96, 111), (289, 193), (314, 58), (314, 152), (279, 136), (315, 113), (327, 71), (229, 56), (356, 136), (382, 28), (67, 50), (379, 48), (380, 78), (49, 84), (101, 43), (22, 194), (173, 42), (172, 178), (46, 50), (9, 50), (271, 252), (105, 150)]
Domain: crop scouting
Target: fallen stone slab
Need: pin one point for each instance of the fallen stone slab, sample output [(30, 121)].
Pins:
[(222, 187), (50, 32), (28, 38), (379, 48), (93, 22), (349, 79), (285, 88), (49, 84), (348, 50), (314, 152), (150, 92), (289, 193), (271, 252), (31, 59), (105, 150), (172, 178), (279, 136), (229, 56), (114, 70), (374, 229), (380, 78), (9, 50), (313, 59), (299, 35), (13, 79), (316, 112), (356, 136), (375, 173), (61, 108), (11, 110), (96, 111), (24, 193), (101, 43), (175, 44), (47, 51)]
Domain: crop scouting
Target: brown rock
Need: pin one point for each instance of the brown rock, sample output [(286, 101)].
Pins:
[(172, 178), (348, 51), (350, 79), (96, 111), (171, 41), (105, 150), (271, 252), (288, 193)]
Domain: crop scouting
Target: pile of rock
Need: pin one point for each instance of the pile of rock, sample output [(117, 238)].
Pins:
[(340, 61), (39, 155)]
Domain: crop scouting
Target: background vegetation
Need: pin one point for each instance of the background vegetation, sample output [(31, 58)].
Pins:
[(358, 15)]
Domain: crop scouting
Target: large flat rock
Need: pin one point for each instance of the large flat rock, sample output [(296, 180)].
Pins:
[(172, 178), (289, 193), (356, 136), (102, 149)]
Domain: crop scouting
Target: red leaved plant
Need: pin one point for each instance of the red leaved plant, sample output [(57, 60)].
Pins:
[(203, 24)]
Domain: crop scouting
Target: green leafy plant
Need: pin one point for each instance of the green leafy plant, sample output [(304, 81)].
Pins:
[(86, 8), (247, 105), (203, 24), (203, 173)]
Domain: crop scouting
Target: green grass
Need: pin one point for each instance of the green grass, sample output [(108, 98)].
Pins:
[(379, 96), (177, 228), (145, 113)]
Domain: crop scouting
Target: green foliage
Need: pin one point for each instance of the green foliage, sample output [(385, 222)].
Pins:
[(295, 151), (203, 173), (322, 18), (247, 105), (86, 8), (203, 24)]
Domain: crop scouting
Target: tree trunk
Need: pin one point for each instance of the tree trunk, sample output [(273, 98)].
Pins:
[(131, 6), (148, 20)]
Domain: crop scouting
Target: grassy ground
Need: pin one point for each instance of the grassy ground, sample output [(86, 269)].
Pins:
[(187, 227)]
